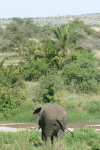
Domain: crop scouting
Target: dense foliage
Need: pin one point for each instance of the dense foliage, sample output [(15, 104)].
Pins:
[(34, 70), (81, 73), (11, 95), (44, 91), (67, 59)]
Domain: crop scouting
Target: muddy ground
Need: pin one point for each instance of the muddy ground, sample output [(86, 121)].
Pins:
[(25, 126)]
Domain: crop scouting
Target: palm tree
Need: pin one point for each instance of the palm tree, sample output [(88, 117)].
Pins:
[(31, 51), (63, 39)]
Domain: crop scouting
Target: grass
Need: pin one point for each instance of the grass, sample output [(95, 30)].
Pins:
[(84, 138), (79, 107), (19, 140), (26, 115)]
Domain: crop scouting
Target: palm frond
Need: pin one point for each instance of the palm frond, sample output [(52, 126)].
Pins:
[(66, 30), (55, 32), (59, 30)]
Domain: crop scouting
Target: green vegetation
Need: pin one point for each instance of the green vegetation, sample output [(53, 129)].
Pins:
[(64, 71), (84, 138), (11, 95), (81, 73), (80, 107)]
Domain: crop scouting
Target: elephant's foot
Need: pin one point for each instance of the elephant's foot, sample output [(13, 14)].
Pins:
[(60, 134), (48, 140)]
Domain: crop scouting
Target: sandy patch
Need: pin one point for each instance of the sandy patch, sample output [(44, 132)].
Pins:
[(7, 129), (34, 39), (97, 54), (97, 29)]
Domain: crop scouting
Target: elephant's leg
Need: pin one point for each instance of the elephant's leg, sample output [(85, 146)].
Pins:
[(48, 140), (48, 131), (43, 136), (60, 134), (52, 139)]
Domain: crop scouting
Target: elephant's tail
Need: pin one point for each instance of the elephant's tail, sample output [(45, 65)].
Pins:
[(63, 127), (69, 131)]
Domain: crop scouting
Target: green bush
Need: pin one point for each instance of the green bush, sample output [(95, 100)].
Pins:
[(35, 138), (93, 106), (71, 58), (33, 71), (52, 71), (78, 25), (4, 46), (84, 138), (1, 31), (91, 85), (94, 144), (44, 91), (81, 70), (11, 95), (47, 86), (81, 74)]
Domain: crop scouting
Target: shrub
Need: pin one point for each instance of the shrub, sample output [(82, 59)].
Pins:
[(81, 74), (71, 58), (35, 139), (11, 95), (4, 46), (1, 31), (47, 86), (94, 144), (52, 71), (93, 106), (84, 138), (44, 91), (33, 71), (89, 43)]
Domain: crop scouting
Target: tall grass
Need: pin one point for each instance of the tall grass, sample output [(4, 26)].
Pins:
[(79, 107), (84, 138)]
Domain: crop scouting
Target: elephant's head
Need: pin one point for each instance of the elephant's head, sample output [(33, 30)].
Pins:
[(36, 112)]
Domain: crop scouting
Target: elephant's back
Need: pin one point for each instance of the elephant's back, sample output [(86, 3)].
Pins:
[(61, 113), (48, 112), (60, 109)]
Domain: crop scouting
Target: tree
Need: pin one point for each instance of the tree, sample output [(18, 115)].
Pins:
[(18, 38), (56, 51), (1, 31), (51, 50), (28, 21), (63, 39), (12, 27), (19, 21), (76, 30), (31, 51)]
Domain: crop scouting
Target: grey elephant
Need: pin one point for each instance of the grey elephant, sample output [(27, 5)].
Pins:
[(52, 119)]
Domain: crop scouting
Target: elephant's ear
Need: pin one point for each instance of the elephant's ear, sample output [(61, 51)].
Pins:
[(37, 109)]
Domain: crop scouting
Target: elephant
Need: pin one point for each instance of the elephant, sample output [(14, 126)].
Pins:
[(52, 119)]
